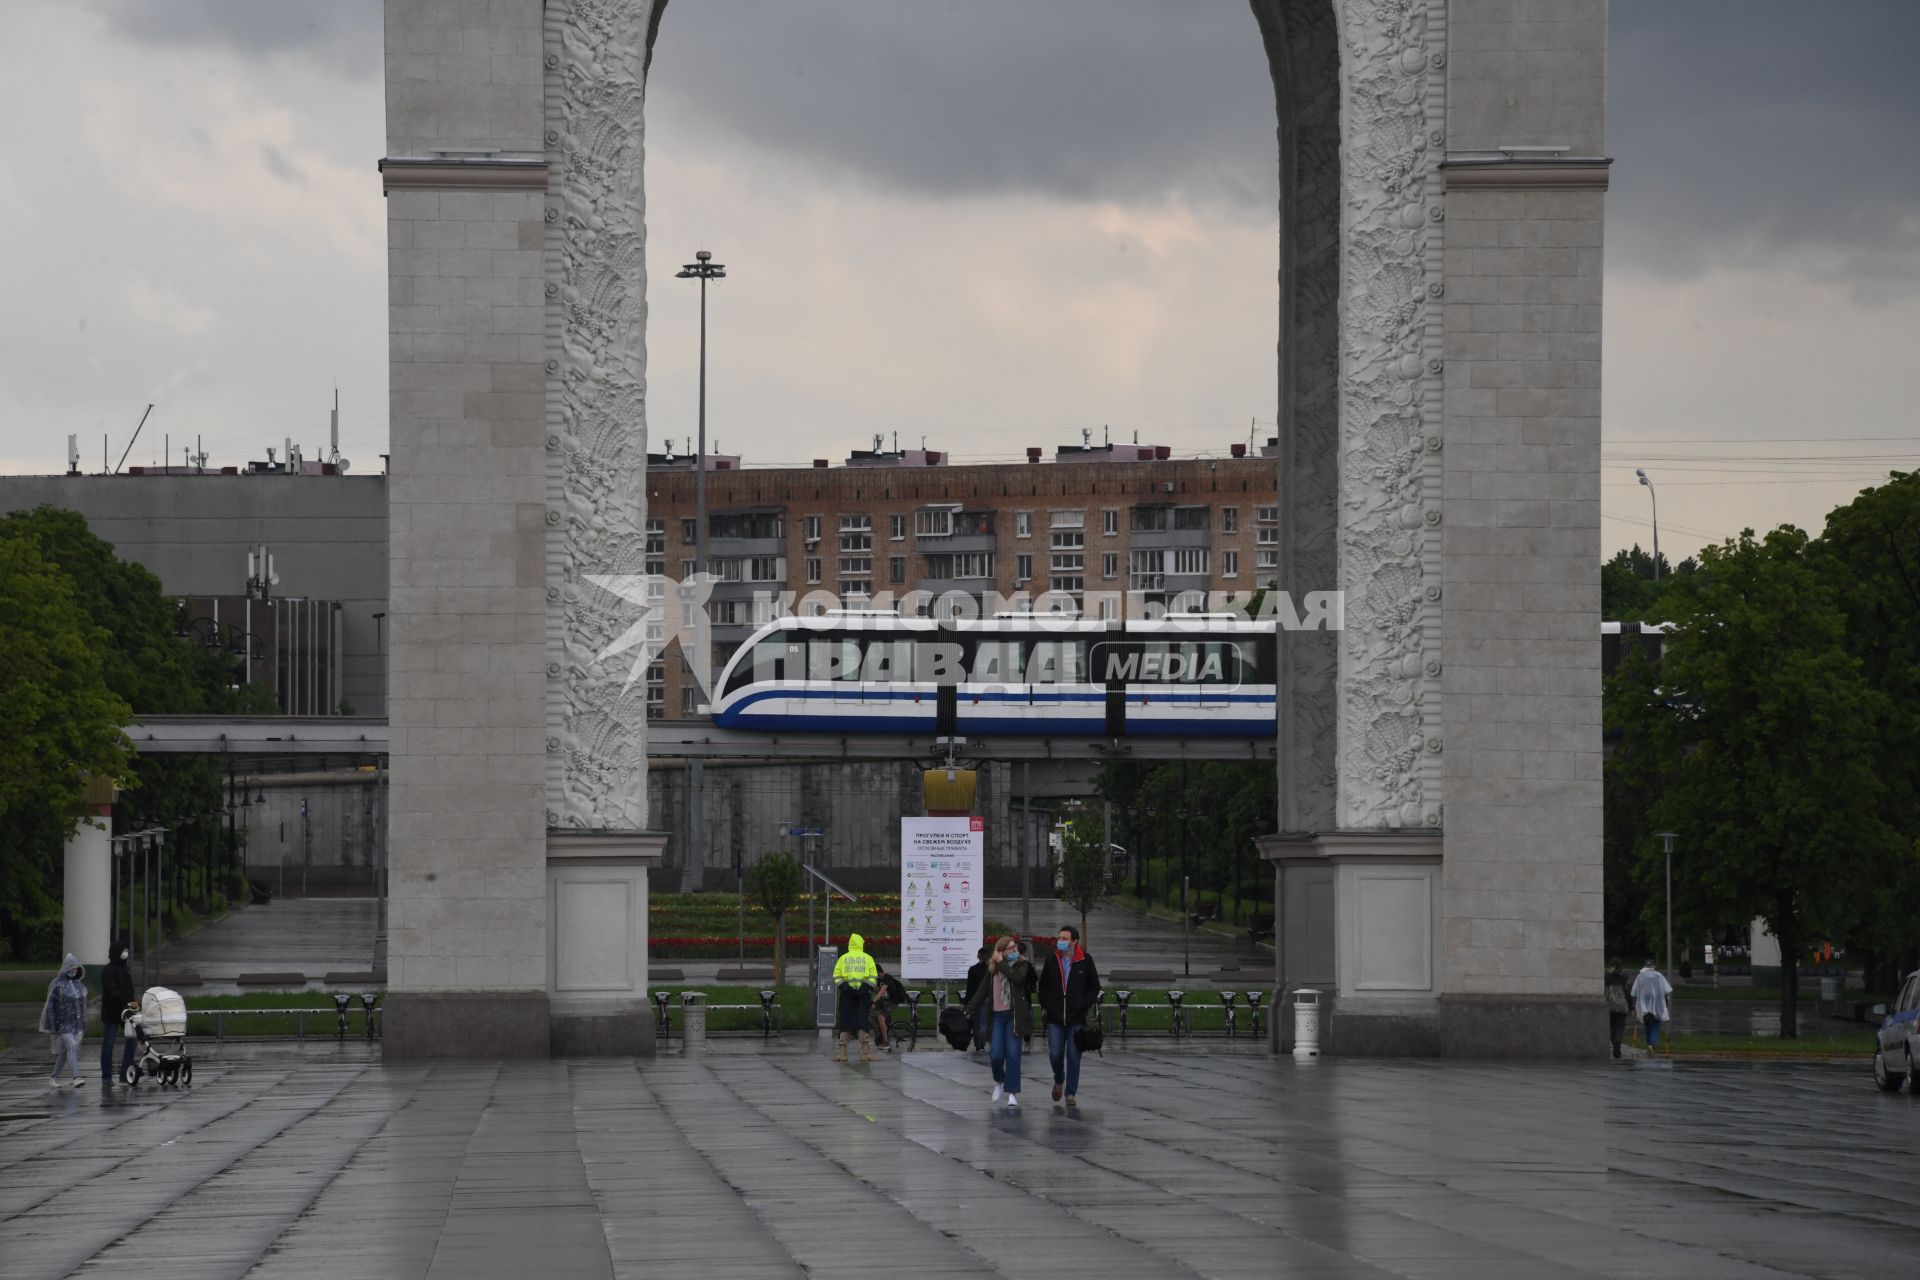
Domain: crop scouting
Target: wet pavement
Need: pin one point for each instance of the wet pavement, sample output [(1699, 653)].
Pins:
[(308, 936), (738, 1161)]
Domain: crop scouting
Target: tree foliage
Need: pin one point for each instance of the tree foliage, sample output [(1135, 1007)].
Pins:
[(1220, 805), (1084, 883), (1755, 739)]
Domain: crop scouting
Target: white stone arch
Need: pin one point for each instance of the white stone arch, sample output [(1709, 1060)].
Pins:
[(1358, 95)]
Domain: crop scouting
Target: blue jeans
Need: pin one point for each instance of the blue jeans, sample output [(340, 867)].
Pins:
[(108, 1030), (1652, 1025), (1060, 1043), (1004, 1056)]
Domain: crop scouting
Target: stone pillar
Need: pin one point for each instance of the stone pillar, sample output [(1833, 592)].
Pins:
[(1521, 685), (87, 903), (597, 970), (465, 177)]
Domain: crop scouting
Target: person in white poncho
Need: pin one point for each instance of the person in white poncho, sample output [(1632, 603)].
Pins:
[(64, 1017), (1650, 992)]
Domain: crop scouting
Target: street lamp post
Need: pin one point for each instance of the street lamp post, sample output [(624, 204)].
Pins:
[(703, 268), (1655, 500), (1666, 844)]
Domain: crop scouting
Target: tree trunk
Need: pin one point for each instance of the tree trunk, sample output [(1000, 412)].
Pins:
[(1083, 927), (780, 950)]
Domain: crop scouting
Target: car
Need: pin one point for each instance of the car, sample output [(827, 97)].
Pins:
[(1897, 1058)]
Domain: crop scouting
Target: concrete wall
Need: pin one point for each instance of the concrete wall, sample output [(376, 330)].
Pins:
[(340, 843), (328, 536)]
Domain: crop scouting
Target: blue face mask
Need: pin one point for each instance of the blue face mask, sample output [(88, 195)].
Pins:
[(1064, 946)]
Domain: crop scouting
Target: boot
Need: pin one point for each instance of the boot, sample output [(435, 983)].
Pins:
[(840, 1050), (866, 1046)]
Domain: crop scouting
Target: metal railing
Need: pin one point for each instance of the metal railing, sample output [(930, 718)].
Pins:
[(370, 1018)]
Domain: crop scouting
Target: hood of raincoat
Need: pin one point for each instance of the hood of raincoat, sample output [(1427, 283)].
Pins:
[(65, 1012), (855, 944)]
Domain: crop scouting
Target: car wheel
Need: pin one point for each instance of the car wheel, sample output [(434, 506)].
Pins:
[(1889, 1081)]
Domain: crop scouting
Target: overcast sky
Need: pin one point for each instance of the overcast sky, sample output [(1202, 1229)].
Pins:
[(990, 224)]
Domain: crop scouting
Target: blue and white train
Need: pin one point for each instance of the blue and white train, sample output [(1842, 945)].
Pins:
[(1180, 676)]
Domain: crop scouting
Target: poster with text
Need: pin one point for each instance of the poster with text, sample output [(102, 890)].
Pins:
[(942, 880)]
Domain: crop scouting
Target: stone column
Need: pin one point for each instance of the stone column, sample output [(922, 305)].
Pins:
[(87, 903), (1521, 689), (465, 177)]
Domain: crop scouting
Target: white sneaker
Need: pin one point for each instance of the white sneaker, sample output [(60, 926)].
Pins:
[(999, 1092), (1013, 1100), (53, 1082)]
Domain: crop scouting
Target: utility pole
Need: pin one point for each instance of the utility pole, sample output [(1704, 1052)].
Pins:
[(1666, 843), (703, 268)]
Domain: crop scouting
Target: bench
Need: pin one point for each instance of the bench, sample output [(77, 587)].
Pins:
[(1205, 913), (1260, 926)]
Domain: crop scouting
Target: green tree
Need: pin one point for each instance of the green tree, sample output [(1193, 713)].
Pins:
[(1629, 591), (59, 724), (1871, 550), (1759, 730), (1083, 866), (775, 883)]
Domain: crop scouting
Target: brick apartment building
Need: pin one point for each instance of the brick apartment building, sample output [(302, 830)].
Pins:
[(1096, 522)]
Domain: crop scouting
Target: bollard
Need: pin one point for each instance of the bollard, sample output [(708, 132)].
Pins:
[(939, 1001), (1253, 1004), (367, 999), (341, 1004), (693, 1018), (1121, 998), (664, 1029), (1227, 998), (1306, 1023), (1173, 1003)]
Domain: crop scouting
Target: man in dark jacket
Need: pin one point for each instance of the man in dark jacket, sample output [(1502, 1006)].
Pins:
[(116, 993), (1068, 988), (974, 976)]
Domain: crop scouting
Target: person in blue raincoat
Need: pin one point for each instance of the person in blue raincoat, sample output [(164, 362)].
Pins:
[(64, 1017)]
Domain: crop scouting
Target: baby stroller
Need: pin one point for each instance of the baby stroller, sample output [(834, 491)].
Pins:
[(159, 1028)]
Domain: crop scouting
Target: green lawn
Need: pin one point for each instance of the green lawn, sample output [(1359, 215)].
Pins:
[(1839, 1044)]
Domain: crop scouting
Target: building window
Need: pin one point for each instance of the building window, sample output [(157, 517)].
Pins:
[(1267, 561), (729, 613), (1190, 560), (935, 522), (1109, 607), (1067, 562), (1192, 519), (1071, 586), (658, 568), (1023, 524), (897, 569), (1229, 564), (656, 672), (1068, 540), (1069, 520), (856, 566), (898, 526), (689, 700), (1229, 519), (688, 568), (1267, 515), (1150, 519), (1146, 570), (813, 572), (1022, 569), (689, 532), (767, 569), (813, 529), (656, 537), (856, 533), (747, 524), (963, 564), (1110, 519), (1110, 566), (1267, 536)]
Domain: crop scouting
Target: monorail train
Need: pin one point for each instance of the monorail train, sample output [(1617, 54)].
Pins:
[(1180, 676)]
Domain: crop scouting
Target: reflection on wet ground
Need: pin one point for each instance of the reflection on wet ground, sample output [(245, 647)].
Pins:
[(738, 1161)]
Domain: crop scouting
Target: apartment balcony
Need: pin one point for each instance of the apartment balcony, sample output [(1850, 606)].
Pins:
[(957, 543)]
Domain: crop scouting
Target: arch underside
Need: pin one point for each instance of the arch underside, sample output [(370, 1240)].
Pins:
[(1358, 105)]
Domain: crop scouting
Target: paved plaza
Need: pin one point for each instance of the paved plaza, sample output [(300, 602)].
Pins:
[(751, 1162)]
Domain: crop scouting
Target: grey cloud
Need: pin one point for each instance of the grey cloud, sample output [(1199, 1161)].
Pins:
[(1120, 99), (276, 163), (1766, 133), (342, 35)]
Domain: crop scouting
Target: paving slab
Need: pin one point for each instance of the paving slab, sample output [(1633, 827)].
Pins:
[(289, 1161)]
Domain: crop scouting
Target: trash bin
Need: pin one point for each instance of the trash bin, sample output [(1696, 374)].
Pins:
[(824, 1012), (693, 1018), (1306, 1023), (1830, 991)]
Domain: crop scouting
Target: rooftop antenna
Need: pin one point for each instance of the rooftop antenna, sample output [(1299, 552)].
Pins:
[(1106, 436), (73, 455), (879, 441), (1136, 435), (333, 455), (1086, 437)]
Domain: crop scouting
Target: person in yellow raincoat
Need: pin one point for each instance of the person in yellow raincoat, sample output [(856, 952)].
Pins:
[(854, 977)]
